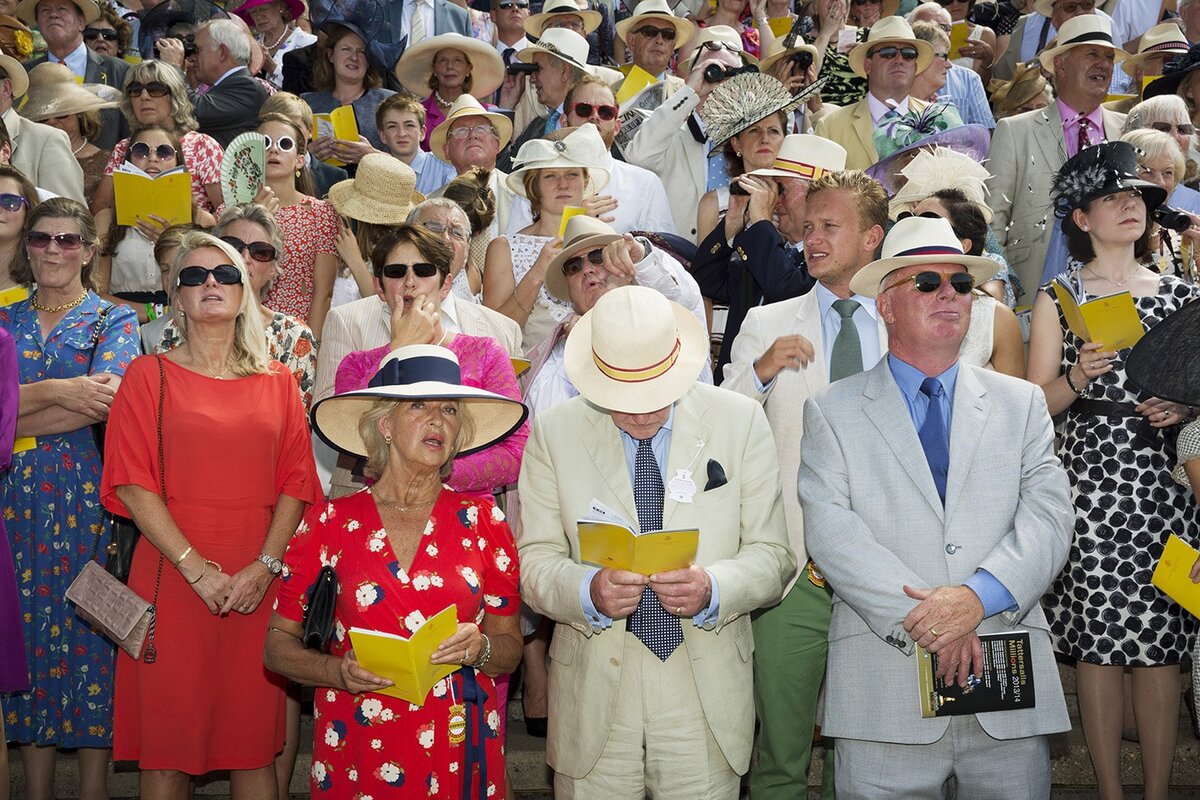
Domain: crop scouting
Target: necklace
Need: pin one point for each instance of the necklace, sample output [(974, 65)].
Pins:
[(33, 301), (1118, 284), (286, 30), (404, 509), (82, 145), (442, 101)]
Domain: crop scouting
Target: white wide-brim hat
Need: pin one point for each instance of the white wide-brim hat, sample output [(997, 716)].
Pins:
[(582, 147), (635, 351), (535, 24), (417, 372), (890, 30), (416, 65), (722, 34), (919, 240), (563, 44), (1087, 30), (803, 155), (380, 193), (583, 232), (467, 106), (657, 11)]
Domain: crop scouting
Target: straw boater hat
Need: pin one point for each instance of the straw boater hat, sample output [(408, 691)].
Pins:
[(565, 45), (657, 11), (27, 11), (536, 23), (1088, 30), (890, 30), (719, 33), (417, 372), (416, 65), (937, 169), (743, 100), (294, 8), (468, 106), (1098, 171), (53, 92), (635, 351), (919, 240), (1165, 38), (16, 73), (803, 155), (380, 193), (582, 147), (1027, 83), (583, 233)]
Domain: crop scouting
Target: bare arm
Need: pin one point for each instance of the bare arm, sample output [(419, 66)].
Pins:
[(324, 273), (1045, 358), (1008, 350), (502, 292), (65, 404)]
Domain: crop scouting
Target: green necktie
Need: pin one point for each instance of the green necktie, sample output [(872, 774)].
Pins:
[(846, 358)]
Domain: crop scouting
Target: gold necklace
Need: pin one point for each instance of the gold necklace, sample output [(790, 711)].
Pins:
[(403, 509), (1118, 284), (33, 301)]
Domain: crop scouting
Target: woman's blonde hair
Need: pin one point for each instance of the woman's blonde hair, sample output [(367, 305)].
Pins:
[(257, 215), (378, 452), (1153, 144), (249, 335), (290, 105), (181, 106)]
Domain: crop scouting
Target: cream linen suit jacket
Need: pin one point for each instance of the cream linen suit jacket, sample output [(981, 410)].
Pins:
[(43, 154), (874, 522), (574, 455), (853, 128), (664, 145), (791, 387)]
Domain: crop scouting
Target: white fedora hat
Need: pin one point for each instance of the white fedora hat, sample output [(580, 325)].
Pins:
[(1087, 30), (657, 11), (416, 65), (803, 155), (582, 147), (565, 45), (467, 106), (919, 240), (1164, 38), (635, 351), (582, 233), (535, 24), (890, 30)]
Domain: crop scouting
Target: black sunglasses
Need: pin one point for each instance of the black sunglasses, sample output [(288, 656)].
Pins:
[(39, 240), (12, 202), (907, 53), (927, 282), (575, 264), (510, 4), (649, 31), (226, 274), (606, 113), (107, 34), (142, 150), (259, 251), (922, 215), (422, 269), (155, 88)]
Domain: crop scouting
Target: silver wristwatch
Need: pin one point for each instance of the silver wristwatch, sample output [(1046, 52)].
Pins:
[(273, 565)]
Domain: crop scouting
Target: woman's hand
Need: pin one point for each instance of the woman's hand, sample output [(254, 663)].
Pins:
[(91, 395), (267, 199), (835, 17), (1195, 573), (246, 588), (213, 587), (153, 227), (462, 648), (599, 206), (1094, 361), (421, 324), (550, 251), (1161, 413), (347, 244), (977, 49), (352, 152), (354, 679), (322, 147)]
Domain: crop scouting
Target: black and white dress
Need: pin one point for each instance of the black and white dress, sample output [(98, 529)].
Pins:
[(1103, 608)]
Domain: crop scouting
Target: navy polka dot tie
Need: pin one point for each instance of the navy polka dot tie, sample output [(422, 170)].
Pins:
[(650, 622)]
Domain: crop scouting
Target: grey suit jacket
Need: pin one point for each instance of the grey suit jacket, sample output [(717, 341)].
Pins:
[(230, 107), (107, 71), (44, 155), (874, 523)]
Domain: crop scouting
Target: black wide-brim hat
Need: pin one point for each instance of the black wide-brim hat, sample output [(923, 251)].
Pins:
[(1163, 363), (1098, 171)]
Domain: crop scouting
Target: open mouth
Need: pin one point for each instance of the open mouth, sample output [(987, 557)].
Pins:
[(434, 441)]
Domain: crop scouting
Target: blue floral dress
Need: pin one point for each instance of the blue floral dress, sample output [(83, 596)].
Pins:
[(50, 500)]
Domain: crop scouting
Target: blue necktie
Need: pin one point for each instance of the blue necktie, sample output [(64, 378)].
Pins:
[(552, 122), (934, 439), (650, 622)]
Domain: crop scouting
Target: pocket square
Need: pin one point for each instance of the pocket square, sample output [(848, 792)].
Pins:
[(716, 476)]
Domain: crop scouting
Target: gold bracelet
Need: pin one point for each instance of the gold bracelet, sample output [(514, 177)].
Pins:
[(179, 560), (203, 572), (523, 308)]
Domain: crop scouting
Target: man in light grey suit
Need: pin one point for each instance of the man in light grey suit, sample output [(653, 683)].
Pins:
[(937, 509)]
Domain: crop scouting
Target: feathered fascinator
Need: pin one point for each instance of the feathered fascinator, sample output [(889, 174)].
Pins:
[(745, 99), (909, 129), (942, 168), (1097, 171), (937, 125)]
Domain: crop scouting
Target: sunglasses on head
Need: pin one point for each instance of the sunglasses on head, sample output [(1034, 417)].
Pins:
[(890, 52), (164, 152), (12, 202), (421, 269), (92, 34), (585, 110), (649, 31), (40, 240), (154, 88), (927, 282), (284, 144), (226, 274), (1184, 129), (715, 46), (259, 251), (575, 264)]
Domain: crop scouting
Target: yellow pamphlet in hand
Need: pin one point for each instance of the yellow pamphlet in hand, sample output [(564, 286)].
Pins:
[(138, 195), (1171, 574), (607, 544), (567, 213), (780, 26), (634, 82), (520, 365), (13, 294), (960, 32), (1111, 320), (338, 124), (405, 661)]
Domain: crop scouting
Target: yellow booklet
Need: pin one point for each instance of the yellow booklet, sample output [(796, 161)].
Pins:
[(779, 26), (405, 660), (1171, 574), (567, 213), (1111, 320), (608, 544), (634, 82), (138, 195), (519, 365), (339, 124), (959, 33)]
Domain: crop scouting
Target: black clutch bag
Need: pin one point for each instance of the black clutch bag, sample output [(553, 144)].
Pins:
[(318, 614), (125, 535)]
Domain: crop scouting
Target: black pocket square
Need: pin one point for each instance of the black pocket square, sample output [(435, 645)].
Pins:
[(716, 476)]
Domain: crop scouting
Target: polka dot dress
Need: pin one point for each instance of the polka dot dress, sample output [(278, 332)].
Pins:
[(1103, 608)]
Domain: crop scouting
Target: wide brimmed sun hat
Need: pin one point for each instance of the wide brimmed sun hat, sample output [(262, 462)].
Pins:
[(565, 45), (743, 100), (27, 11), (941, 168), (468, 106), (535, 24), (16, 73), (803, 155), (582, 147), (779, 50), (1088, 30), (635, 351), (1098, 171), (919, 240), (416, 65), (53, 92), (380, 193), (294, 7), (583, 232), (1164, 38), (657, 11), (1027, 83), (417, 372), (890, 30)]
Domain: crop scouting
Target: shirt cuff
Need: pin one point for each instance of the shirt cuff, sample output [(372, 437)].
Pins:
[(759, 385), (710, 615), (597, 620), (991, 592)]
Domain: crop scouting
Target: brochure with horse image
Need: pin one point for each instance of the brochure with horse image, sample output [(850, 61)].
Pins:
[(138, 194), (404, 660), (1111, 320), (611, 544), (1005, 685)]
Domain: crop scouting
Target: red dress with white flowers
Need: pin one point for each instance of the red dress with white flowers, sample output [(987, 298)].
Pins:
[(372, 744), (309, 228)]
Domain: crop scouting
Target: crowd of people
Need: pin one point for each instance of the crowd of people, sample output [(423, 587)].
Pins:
[(454, 277)]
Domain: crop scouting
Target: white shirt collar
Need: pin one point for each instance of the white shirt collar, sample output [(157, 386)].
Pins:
[(227, 74), (76, 60), (450, 314), (878, 108)]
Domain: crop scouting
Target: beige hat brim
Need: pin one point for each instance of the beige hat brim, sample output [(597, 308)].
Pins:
[(16, 73), (556, 282), (416, 65), (64, 99), (504, 127), (597, 177), (770, 61), (357, 206), (1130, 64), (27, 11), (684, 29), (1046, 57), (858, 55), (535, 25), (866, 281)]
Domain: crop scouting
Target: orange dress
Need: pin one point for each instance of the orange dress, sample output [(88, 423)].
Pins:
[(231, 448)]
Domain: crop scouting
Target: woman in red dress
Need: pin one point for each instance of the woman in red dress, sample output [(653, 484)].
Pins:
[(404, 550)]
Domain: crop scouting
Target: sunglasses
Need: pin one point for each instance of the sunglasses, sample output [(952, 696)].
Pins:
[(164, 152), (649, 31), (107, 34), (39, 240), (284, 144), (453, 231), (154, 88), (1185, 129), (585, 110), (12, 202), (927, 282), (715, 46), (421, 269), (259, 251), (511, 4), (907, 53), (225, 274), (573, 265)]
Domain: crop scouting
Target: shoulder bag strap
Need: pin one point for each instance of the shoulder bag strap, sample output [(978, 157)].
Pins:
[(151, 653)]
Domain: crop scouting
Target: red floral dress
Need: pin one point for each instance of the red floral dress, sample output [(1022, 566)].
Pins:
[(202, 155), (309, 229), (373, 745)]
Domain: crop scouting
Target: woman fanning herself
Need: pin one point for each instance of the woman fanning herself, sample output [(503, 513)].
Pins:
[(410, 547), (238, 470), (1103, 610)]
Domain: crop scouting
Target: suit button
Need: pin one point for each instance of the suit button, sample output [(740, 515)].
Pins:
[(951, 549)]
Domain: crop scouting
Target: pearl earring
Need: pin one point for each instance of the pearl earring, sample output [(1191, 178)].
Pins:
[(387, 439)]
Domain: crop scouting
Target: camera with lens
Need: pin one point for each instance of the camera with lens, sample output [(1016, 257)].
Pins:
[(189, 44), (1172, 219), (803, 60), (715, 73)]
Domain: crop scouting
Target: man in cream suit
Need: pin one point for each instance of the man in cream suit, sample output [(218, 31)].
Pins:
[(937, 509), (42, 153), (650, 677), (786, 352)]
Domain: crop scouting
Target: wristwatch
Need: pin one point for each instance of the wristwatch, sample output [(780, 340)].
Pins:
[(273, 565)]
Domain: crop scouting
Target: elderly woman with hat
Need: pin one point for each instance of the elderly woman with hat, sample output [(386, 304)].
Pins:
[(552, 175), (275, 28), (1103, 610), (404, 550), (441, 68)]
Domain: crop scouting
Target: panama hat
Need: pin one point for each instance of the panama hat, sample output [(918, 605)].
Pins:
[(803, 155), (716, 36), (53, 92), (380, 193), (535, 24), (1164, 38), (1088, 30), (890, 30), (27, 11), (919, 240), (295, 9), (657, 11), (468, 106), (582, 147), (416, 65), (561, 43), (635, 351), (417, 372), (582, 233), (743, 100)]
